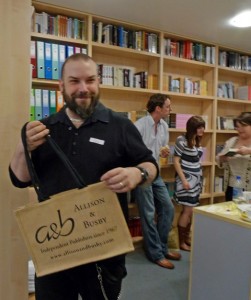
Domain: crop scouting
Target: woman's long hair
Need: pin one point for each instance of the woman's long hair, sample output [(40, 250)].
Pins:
[(192, 125)]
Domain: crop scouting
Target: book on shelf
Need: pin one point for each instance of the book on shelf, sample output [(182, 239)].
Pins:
[(58, 25), (234, 60), (204, 185), (32, 105), (228, 152), (140, 79), (226, 90), (44, 102), (152, 82), (33, 58), (225, 122), (189, 50), (218, 184), (175, 120), (118, 35), (181, 120), (244, 92), (38, 104), (137, 114), (205, 118)]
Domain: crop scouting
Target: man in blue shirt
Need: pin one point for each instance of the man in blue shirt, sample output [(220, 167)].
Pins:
[(154, 200)]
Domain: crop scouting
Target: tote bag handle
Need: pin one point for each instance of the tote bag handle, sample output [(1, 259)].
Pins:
[(34, 178)]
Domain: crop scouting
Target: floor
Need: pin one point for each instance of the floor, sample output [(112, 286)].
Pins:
[(147, 281)]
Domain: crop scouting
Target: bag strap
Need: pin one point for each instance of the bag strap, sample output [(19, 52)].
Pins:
[(34, 178)]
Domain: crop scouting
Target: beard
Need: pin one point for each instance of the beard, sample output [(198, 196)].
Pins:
[(85, 110)]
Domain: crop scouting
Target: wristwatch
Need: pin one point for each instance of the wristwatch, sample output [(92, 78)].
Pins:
[(144, 175)]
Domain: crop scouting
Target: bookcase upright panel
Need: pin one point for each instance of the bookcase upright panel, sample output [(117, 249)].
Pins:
[(136, 61)]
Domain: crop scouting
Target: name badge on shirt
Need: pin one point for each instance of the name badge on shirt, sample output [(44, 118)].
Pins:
[(97, 141)]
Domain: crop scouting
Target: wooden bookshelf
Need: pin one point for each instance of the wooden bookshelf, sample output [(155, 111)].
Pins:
[(200, 68)]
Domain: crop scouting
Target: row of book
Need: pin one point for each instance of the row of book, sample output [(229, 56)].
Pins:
[(126, 77), (184, 85), (189, 50), (174, 120), (225, 122), (123, 37), (58, 25), (44, 102), (228, 90), (179, 121), (47, 58), (234, 60)]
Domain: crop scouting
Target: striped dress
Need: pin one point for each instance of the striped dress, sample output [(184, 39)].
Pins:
[(191, 166)]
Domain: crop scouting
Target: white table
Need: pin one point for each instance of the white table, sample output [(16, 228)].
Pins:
[(221, 254)]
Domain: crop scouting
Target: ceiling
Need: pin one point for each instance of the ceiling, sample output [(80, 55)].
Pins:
[(205, 20)]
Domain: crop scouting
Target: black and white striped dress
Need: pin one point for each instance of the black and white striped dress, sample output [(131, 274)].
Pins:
[(191, 166)]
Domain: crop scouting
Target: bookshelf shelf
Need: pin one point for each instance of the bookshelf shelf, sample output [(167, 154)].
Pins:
[(45, 82), (205, 196), (124, 89), (234, 101), (120, 51), (50, 37), (156, 65), (189, 97), (196, 64)]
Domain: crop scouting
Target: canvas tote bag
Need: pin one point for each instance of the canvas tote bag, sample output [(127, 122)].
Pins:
[(72, 228)]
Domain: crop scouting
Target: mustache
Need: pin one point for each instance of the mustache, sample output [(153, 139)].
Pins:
[(82, 95)]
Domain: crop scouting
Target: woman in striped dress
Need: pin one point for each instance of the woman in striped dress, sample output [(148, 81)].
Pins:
[(188, 177)]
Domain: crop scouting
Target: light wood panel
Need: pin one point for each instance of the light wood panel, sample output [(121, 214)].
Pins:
[(14, 95)]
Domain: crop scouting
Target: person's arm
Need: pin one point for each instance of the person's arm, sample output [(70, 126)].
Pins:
[(18, 164), (36, 133), (121, 180), (243, 150), (178, 169)]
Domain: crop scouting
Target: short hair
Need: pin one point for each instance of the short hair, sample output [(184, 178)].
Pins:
[(244, 119), (156, 100), (75, 57)]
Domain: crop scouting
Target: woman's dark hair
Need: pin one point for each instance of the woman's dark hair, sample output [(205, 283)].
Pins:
[(192, 125), (156, 100), (244, 119)]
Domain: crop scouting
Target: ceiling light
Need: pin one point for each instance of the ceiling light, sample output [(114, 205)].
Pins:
[(242, 20)]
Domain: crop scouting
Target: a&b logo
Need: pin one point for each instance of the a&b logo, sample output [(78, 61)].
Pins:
[(55, 229)]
